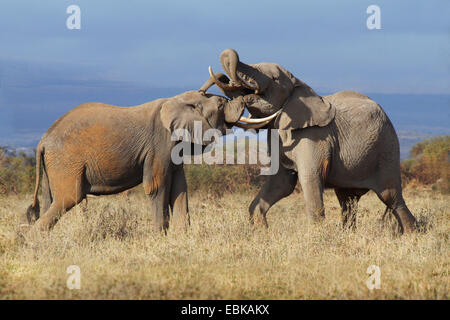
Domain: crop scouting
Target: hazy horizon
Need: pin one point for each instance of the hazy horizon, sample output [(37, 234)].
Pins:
[(414, 116)]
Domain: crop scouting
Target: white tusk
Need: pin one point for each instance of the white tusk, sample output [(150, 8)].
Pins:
[(219, 83), (211, 73), (248, 120), (251, 126)]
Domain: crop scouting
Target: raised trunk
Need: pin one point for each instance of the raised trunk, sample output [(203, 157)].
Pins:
[(229, 60), (237, 70)]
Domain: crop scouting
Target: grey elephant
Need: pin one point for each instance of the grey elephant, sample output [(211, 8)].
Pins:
[(343, 141), (101, 149)]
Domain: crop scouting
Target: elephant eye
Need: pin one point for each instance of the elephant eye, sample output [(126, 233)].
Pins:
[(199, 107)]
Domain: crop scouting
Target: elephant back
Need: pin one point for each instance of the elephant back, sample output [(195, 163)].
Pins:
[(362, 129)]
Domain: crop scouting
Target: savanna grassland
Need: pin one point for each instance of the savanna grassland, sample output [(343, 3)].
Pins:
[(222, 256)]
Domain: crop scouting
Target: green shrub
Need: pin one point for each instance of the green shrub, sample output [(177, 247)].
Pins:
[(17, 173), (429, 163)]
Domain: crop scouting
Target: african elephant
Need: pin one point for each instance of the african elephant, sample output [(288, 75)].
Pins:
[(343, 141), (101, 149)]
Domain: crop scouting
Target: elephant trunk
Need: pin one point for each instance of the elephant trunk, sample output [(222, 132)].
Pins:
[(229, 59), (234, 109), (214, 79), (230, 63), (220, 80), (233, 113)]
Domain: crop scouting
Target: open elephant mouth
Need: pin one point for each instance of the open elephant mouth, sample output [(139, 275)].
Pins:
[(239, 73), (229, 85), (236, 83)]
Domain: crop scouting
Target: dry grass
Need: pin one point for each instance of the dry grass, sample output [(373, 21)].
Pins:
[(222, 256)]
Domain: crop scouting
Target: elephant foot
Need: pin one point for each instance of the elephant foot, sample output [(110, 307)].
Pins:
[(180, 223), (258, 220), (45, 223), (410, 227), (27, 233), (25, 226), (316, 217), (30, 232), (160, 228), (22, 230), (258, 210), (406, 220)]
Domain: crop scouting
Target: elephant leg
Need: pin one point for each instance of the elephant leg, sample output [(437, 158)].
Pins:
[(312, 187), (67, 195), (409, 223), (157, 179), (393, 199), (349, 205), (159, 203), (46, 192), (275, 188), (179, 199), (33, 213), (387, 217), (51, 216)]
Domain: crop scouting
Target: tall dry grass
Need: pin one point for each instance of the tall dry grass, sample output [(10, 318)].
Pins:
[(222, 256)]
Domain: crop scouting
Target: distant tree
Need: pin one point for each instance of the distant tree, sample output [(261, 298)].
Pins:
[(429, 163)]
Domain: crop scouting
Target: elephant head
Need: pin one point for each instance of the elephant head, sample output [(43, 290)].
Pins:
[(270, 91), (208, 110)]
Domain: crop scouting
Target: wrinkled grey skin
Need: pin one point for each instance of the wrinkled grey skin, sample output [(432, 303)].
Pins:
[(101, 149), (343, 141)]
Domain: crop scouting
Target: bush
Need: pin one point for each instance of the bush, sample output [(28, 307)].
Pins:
[(17, 172), (429, 163), (217, 179), (17, 176)]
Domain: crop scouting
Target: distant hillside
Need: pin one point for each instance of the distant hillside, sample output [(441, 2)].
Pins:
[(26, 112)]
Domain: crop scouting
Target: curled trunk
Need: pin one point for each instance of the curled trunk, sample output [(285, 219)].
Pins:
[(229, 59)]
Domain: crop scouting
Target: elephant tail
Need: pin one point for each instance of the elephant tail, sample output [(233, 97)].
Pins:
[(39, 153), (32, 213)]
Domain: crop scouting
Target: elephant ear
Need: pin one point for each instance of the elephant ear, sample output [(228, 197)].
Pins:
[(304, 108), (184, 120)]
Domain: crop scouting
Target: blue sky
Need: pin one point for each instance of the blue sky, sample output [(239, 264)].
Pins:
[(171, 43), (130, 52)]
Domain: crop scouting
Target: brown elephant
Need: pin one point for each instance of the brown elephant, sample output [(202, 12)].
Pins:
[(101, 149), (343, 141)]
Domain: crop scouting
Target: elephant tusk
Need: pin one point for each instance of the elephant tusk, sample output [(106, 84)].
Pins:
[(219, 83), (251, 126), (261, 120)]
